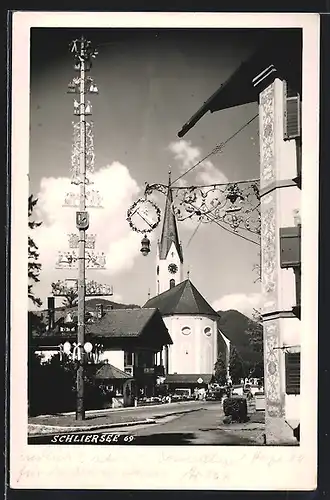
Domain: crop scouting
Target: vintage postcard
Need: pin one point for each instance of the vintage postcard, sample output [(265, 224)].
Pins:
[(164, 251)]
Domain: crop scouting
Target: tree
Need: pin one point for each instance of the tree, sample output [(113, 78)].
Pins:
[(220, 369), (47, 397), (237, 369), (70, 294), (255, 331), (255, 335), (34, 266)]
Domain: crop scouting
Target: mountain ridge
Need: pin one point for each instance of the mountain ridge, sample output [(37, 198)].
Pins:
[(234, 325)]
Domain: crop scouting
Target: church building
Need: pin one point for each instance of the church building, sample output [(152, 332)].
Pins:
[(169, 270), (190, 320)]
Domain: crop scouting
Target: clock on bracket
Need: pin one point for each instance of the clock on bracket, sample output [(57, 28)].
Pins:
[(173, 268)]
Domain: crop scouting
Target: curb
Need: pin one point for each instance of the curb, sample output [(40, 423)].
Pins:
[(244, 429), (52, 429)]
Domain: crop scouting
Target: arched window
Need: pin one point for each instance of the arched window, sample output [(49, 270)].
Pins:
[(157, 270), (172, 283)]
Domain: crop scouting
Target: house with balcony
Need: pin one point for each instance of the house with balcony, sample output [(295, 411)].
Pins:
[(128, 345)]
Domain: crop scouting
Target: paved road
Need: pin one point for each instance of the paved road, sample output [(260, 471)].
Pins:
[(199, 428), (202, 427)]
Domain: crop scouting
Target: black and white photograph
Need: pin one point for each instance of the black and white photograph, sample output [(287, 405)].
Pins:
[(167, 299)]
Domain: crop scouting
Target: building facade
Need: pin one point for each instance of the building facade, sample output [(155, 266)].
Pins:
[(192, 324), (190, 320), (125, 341), (280, 156), (272, 78)]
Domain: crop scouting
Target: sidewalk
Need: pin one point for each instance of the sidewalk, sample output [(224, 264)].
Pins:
[(253, 429), (98, 419)]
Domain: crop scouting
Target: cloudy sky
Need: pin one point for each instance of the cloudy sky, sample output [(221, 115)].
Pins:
[(151, 82)]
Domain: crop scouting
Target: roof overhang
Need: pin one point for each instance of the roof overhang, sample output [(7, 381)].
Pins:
[(271, 59)]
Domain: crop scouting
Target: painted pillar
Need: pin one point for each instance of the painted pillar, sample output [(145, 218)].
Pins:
[(280, 198)]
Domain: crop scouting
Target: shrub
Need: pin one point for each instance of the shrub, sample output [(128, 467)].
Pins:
[(52, 387), (236, 407)]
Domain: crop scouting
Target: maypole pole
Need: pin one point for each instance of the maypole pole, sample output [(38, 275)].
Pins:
[(82, 223), (85, 258)]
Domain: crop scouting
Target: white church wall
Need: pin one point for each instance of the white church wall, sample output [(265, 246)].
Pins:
[(194, 343)]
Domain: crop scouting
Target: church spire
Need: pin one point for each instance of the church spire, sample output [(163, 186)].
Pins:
[(170, 231)]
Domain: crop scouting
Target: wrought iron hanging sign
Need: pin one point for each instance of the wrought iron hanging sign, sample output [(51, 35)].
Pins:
[(235, 204), (143, 216)]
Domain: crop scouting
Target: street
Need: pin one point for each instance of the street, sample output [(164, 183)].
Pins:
[(201, 424), (203, 427)]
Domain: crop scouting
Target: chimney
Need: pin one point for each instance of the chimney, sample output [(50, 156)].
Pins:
[(51, 312), (99, 311)]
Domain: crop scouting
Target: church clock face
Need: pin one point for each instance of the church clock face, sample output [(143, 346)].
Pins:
[(173, 268)]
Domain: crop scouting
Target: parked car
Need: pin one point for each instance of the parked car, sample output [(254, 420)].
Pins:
[(176, 397), (210, 396)]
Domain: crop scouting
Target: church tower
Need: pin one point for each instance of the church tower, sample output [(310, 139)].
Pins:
[(169, 264)]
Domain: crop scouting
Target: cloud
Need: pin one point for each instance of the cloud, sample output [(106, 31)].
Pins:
[(206, 173), (118, 190), (188, 155), (185, 153), (244, 303), (117, 297), (209, 174)]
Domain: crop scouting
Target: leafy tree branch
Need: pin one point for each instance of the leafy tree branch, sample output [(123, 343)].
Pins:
[(34, 266)]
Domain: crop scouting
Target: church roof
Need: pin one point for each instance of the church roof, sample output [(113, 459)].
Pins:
[(184, 298), (170, 231)]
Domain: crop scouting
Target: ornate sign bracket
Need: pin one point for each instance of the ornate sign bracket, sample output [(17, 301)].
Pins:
[(234, 204)]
